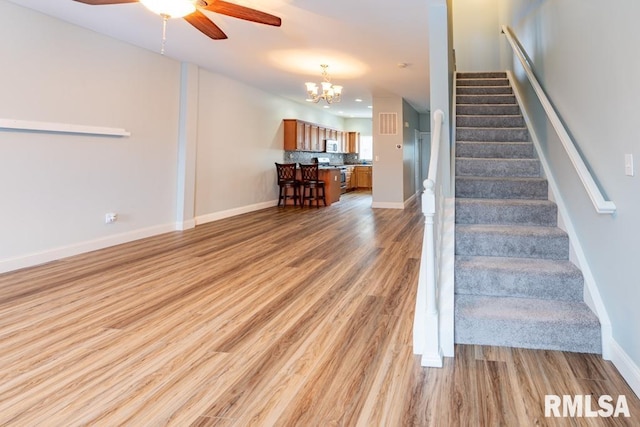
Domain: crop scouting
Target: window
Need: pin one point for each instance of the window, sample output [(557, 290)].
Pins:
[(366, 148)]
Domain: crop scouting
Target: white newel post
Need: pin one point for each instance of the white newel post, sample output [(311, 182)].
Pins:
[(432, 355)]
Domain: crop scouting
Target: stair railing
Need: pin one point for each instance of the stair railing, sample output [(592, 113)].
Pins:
[(426, 327), (601, 205)]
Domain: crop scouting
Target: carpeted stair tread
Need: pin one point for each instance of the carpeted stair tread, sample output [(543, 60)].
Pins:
[(522, 241), (518, 277), (487, 109), (518, 134), (486, 99), (526, 323), (501, 188), (490, 120), (495, 150), (495, 81), (506, 212), (473, 166), (481, 75), (484, 90)]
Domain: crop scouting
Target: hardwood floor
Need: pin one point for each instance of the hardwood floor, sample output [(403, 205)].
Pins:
[(282, 317)]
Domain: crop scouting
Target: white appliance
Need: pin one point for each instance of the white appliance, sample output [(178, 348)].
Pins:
[(331, 146)]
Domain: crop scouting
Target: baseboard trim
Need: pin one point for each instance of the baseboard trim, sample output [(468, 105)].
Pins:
[(629, 370), (410, 199), (185, 225), (61, 252), (387, 205), (37, 258), (216, 216)]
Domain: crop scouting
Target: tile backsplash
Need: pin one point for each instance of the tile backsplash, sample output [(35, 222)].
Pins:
[(309, 157)]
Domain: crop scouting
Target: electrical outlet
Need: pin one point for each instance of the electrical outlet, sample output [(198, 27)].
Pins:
[(110, 217)]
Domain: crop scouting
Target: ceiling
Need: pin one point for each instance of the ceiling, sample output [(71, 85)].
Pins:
[(374, 48)]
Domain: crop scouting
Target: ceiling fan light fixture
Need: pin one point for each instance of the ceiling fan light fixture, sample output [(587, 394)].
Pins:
[(170, 8)]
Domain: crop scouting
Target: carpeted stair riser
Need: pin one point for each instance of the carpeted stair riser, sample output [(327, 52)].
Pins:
[(502, 188), (514, 283), (484, 90), (493, 134), (518, 277), (506, 212), (495, 150), (490, 121), (487, 109), (482, 75), (526, 323), (497, 167), (485, 99), (510, 241)]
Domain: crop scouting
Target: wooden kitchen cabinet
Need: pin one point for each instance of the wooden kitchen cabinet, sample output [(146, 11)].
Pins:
[(331, 178), (297, 135), (304, 136), (363, 176), (353, 142), (350, 178)]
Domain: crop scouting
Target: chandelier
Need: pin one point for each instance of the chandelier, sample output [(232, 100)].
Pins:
[(169, 9), (330, 93)]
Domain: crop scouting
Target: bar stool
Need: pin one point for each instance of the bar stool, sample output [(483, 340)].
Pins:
[(312, 187), (287, 181)]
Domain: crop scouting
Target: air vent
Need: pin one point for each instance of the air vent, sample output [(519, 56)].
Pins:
[(388, 123)]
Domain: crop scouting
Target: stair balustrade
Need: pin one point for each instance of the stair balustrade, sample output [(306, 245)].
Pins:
[(426, 330)]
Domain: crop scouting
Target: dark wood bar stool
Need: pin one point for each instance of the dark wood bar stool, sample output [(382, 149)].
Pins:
[(312, 187), (287, 181)]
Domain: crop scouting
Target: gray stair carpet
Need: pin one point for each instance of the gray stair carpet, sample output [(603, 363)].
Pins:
[(515, 285)]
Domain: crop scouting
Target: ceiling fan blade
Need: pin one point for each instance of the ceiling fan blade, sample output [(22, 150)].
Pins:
[(205, 25), (242, 12), (101, 2)]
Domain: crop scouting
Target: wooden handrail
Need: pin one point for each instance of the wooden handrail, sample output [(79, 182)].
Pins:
[(601, 205)]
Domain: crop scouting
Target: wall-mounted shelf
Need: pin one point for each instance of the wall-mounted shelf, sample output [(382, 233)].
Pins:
[(61, 128)]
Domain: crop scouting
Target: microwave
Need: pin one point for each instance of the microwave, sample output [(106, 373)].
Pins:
[(331, 146)]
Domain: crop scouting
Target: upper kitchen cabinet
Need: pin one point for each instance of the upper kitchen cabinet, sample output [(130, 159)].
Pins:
[(352, 144), (304, 136), (296, 135)]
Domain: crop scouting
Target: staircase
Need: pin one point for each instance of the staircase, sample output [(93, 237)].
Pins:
[(515, 285)]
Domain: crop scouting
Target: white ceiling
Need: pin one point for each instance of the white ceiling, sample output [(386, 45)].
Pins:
[(363, 42)]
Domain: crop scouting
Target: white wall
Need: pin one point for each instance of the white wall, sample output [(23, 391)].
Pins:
[(240, 137), (56, 188), (362, 125), (476, 35), (388, 170)]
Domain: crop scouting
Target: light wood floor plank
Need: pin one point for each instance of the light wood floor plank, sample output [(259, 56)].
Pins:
[(280, 317)]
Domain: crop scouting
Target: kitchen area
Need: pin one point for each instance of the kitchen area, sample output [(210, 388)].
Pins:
[(337, 153)]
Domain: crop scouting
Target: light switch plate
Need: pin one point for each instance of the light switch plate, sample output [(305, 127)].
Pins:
[(628, 164)]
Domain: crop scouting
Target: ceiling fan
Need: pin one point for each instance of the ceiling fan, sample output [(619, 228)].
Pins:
[(200, 20)]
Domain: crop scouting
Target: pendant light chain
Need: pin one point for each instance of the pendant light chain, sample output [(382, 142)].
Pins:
[(165, 18)]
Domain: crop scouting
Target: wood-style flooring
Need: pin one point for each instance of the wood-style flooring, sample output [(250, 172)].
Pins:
[(282, 317)]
